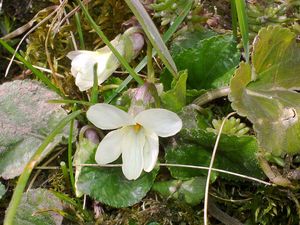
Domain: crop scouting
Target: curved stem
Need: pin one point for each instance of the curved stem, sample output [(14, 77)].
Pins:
[(220, 215), (274, 177), (212, 95), (98, 30), (22, 181), (211, 166), (185, 166)]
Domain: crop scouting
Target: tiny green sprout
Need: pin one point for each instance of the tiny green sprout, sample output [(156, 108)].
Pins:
[(168, 10), (232, 126)]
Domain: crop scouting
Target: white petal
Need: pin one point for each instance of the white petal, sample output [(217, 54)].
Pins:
[(83, 67), (109, 148), (71, 55), (108, 117), (151, 150), (112, 63), (163, 122), (83, 82), (132, 153)]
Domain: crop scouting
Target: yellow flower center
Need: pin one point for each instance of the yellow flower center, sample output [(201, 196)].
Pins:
[(137, 127)]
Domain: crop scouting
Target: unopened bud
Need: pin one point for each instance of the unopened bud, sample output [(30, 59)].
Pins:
[(142, 98), (92, 135)]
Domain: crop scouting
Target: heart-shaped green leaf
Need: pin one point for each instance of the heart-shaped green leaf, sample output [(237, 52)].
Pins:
[(188, 154), (266, 92), (234, 153), (189, 39), (191, 191), (39, 207), (108, 185), (25, 120), (210, 62)]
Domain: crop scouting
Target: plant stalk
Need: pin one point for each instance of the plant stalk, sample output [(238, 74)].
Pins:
[(22, 181), (121, 59), (70, 162), (166, 36)]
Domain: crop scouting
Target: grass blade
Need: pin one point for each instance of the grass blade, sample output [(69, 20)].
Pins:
[(153, 35), (243, 24), (234, 19), (121, 59), (22, 181), (69, 101), (35, 71), (166, 36), (79, 30), (70, 151), (87, 215)]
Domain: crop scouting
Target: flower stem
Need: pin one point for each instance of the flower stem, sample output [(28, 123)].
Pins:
[(70, 163), (107, 42), (64, 170), (152, 33), (211, 166), (243, 25), (166, 36), (211, 95), (22, 181), (150, 70)]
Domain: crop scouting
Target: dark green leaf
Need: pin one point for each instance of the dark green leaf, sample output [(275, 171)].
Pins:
[(192, 94), (210, 62), (188, 154), (189, 39), (108, 185), (234, 153), (191, 191)]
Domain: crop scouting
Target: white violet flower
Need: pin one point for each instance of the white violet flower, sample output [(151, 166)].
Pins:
[(128, 45), (136, 137)]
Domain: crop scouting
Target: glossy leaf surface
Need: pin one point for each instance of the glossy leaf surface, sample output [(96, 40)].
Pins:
[(108, 185), (191, 191)]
